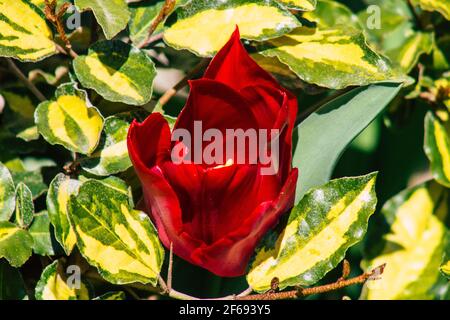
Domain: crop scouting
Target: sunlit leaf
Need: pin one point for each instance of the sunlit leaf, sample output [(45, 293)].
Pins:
[(437, 147), (204, 26), (117, 71), (25, 34), (61, 188), (111, 156), (414, 246), (7, 194), (40, 231), (24, 206), (70, 120), (332, 58), (320, 229), (121, 242), (112, 15), (15, 244), (53, 285)]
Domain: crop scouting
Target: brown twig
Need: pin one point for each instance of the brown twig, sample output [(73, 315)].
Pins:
[(167, 9), (345, 270), (303, 292), (181, 84), (293, 294), (56, 19), (16, 71)]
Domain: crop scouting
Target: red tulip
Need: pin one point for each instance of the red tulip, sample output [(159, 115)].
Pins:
[(215, 215)]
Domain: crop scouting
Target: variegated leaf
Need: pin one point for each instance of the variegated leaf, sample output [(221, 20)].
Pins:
[(70, 120), (61, 188), (7, 194), (24, 34), (18, 117), (320, 229), (111, 156), (414, 46), (204, 26), (329, 14), (143, 15), (303, 5), (437, 147), (121, 242), (24, 206), (53, 285), (332, 58), (414, 246), (40, 231), (117, 71), (15, 244), (29, 175), (442, 6), (112, 15)]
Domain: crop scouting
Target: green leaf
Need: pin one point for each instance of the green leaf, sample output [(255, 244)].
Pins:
[(33, 180), (118, 295), (320, 229), (410, 51), (396, 35), (19, 114), (7, 194), (333, 58), (25, 34), (441, 6), (40, 231), (15, 244), (61, 188), (11, 283), (325, 134), (142, 16), (414, 246), (111, 156), (257, 20), (437, 147), (70, 120), (329, 14), (303, 5), (112, 15), (117, 71), (122, 243), (53, 285), (24, 206)]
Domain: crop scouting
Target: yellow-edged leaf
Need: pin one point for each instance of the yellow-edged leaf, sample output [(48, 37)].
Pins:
[(332, 58), (59, 192), (303, 5), (437, 147), (414, 246), (24, 33), (320, 229), (121, 242), (442, 6), (117, 71), (54, 285), (70, 120), (204, 26)]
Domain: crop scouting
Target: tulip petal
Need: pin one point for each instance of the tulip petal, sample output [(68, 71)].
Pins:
[(149, 142), (233, 66), (229, 256)]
